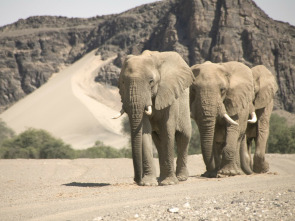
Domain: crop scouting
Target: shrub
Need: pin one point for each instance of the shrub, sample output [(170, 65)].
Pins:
[(281, 136), (39, 144), (35, 144), (5, 132), (99, 150)]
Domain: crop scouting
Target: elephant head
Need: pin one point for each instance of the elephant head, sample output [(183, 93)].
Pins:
[(220, 92), (149, 82)]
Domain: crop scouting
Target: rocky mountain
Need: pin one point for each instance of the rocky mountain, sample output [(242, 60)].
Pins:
[(32, 50)]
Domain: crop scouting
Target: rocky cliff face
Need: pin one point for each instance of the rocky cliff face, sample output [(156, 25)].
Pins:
[(200, 30), (32, 50)]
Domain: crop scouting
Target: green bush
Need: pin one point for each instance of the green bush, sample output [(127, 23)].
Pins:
[(39, 144), (281, 136), (99, 150), (35, 144), (5, 132)]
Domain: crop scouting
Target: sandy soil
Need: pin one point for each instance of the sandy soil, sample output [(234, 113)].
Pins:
[(102, 189), (72, 107)]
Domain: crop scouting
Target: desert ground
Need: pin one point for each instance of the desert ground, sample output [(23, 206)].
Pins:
[(103, 189)]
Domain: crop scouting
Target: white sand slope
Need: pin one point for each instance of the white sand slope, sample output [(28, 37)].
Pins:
[(72, 107)]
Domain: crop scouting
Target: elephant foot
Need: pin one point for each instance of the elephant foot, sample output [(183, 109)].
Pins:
[(261, 167), (229, 170), (240, 171), (170, 180), (182, 174), (149, 180), (137, 181), (226, 172), (209, 174)]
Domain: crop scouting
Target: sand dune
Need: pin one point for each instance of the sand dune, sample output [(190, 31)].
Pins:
[(72, 107)]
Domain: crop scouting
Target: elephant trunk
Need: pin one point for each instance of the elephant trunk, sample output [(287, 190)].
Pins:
[(136, 142), (207, 128), (135, 112), (245, 156), (205, 113)]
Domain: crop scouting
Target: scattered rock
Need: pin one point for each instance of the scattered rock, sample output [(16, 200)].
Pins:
[(173, 210), (186, 205)]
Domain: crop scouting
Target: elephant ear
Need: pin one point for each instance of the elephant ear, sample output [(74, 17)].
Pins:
[(240, 93), (176, 76), (265, 86)]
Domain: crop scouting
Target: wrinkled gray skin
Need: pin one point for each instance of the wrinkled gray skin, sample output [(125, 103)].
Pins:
[(160, 80), (265, 89), (219, 90)]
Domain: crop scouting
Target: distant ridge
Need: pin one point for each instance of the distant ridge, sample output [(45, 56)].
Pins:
[(32, 50)]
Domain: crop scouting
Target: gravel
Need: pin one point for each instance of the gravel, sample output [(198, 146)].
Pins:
[(274, 204), (103, 189)]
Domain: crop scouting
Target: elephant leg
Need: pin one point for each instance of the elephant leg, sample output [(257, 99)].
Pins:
[(149, 170), (157, 143), (165, 145), (260, 164), (166, 160), (169, 177), (182, 141), (228, 163)]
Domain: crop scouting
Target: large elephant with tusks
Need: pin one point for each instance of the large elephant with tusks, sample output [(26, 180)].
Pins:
[(221, 101), (154, 89)]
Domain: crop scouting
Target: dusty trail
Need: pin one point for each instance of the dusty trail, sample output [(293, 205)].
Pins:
[(102, 189)]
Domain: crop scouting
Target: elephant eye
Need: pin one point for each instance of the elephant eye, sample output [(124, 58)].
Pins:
[(151, 81), (222, 90)]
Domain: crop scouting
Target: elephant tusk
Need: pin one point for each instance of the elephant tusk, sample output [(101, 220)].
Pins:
[(149, 110), (229, 120), (119, 114), (254, 118)]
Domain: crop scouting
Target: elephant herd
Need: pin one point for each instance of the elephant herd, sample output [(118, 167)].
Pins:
[(230, 103)]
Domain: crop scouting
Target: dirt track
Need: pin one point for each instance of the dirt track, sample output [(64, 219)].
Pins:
[(102, 189)]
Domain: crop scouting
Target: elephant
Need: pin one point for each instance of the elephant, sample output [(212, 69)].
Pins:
[(265, 87), (221, 102), (154, 89)]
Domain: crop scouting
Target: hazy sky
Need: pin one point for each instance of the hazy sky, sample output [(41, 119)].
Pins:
[(12, 10)]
